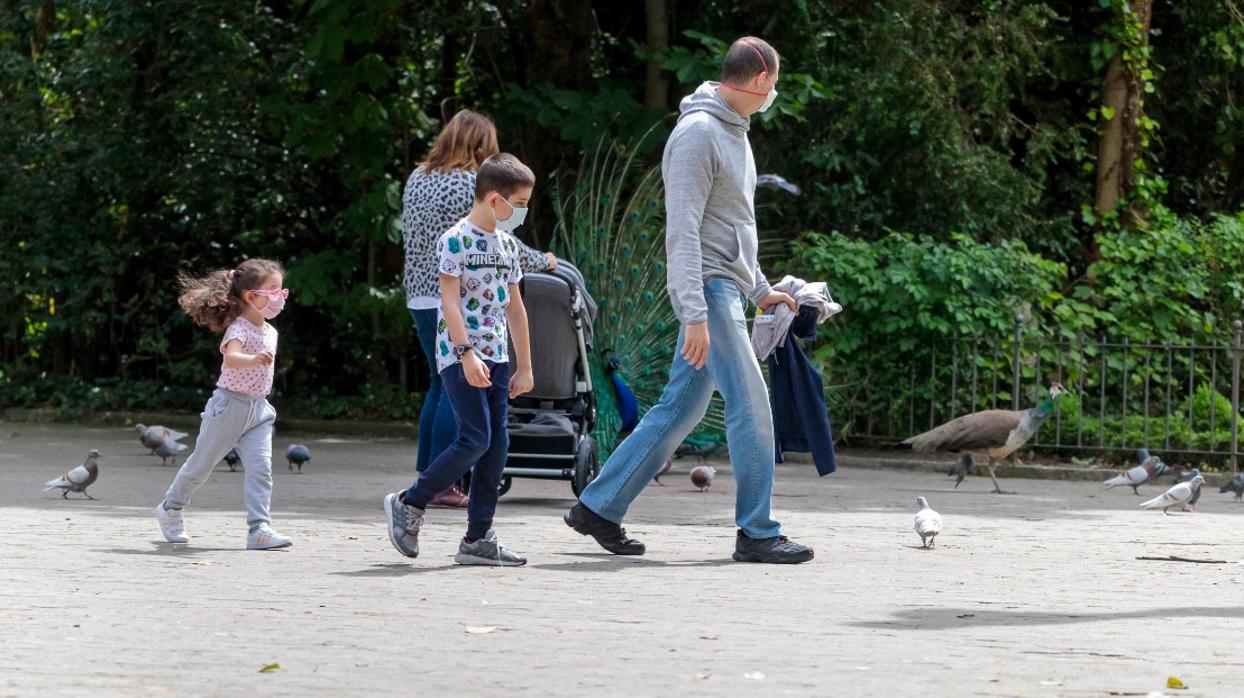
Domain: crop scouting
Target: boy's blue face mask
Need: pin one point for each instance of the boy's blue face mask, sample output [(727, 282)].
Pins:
[(516, 218)]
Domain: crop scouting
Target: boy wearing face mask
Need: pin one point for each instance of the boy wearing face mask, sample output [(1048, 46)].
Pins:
[(480, 304), (713, 272)]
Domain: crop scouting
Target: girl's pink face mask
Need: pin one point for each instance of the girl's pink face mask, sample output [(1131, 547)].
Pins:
[(276, 301)]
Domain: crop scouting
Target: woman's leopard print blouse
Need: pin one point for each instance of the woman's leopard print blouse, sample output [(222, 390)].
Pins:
[(432, 203)]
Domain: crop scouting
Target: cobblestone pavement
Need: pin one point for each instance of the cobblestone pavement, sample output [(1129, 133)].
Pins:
[(1036, 594)]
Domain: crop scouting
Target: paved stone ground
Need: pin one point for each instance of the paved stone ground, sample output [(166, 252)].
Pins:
[(1037, 594)]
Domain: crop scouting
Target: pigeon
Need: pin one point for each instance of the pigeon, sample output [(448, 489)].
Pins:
[(776, 181), (702, 476), (669, 463), (78, 479), (152, 436), (1236, 486), (1196, 491), (232, 459), (700, 448), (297, 454), (1151, 467), (1177, 496), (928, 523), (168, 448)]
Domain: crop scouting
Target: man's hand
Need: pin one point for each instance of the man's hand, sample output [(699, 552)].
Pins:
[(695, 344), (552, 260), (776, 297), (475, 370), (521, 383)]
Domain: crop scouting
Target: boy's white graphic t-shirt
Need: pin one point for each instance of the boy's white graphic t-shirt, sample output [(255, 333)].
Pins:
[(486, 264)]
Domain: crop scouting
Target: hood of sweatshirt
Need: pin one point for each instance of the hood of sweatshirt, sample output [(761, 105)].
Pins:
[(706, 99)]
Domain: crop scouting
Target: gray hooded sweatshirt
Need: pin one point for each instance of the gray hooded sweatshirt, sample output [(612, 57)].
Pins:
[(710, 222)]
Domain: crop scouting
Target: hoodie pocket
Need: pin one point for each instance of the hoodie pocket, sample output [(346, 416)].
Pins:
[(745, 233)]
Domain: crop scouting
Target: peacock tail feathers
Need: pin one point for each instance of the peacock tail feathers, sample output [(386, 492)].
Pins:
[(610, 221)]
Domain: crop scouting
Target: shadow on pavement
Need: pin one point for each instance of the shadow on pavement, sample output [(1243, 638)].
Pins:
[(948, 618)]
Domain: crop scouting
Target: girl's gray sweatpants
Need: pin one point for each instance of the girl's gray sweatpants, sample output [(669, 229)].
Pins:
[(231, 420)]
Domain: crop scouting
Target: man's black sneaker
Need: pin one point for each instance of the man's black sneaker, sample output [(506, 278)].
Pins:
[(776, 550), (609, 535)]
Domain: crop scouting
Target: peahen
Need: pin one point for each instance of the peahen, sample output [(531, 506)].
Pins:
[(990, 434), (610, 223)]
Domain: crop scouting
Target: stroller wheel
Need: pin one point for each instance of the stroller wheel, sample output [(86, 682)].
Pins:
[(505, 485), (586, 466)]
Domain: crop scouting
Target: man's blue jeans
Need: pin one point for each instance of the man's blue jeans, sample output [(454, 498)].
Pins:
[(732, 369), (436, 418)]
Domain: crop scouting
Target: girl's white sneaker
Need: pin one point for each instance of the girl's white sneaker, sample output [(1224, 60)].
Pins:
[(264, 538), (172, 525)]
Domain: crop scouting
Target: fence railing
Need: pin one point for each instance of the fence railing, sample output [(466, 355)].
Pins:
[(1183, 399)]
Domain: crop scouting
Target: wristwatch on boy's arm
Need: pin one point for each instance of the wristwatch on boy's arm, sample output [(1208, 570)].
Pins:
[(461, 350)]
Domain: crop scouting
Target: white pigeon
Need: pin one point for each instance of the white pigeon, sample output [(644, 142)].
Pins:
[(78, 479), (928, 523), (1150, 468), (1177, 496)]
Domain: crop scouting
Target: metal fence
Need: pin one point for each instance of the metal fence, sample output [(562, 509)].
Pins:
[(1181, 399)]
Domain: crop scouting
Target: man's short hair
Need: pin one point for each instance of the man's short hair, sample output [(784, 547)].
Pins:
[(504, 174), (747, 58)]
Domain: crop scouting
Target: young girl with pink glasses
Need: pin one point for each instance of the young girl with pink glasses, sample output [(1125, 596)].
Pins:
[(238, 302)]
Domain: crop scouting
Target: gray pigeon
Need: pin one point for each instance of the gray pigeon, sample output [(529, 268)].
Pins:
[(78, 479), (702, 476), (1236, 486), (297, 454), (153, 435), (928, 523), (1196, 489), (776, 181), (1177, 496), (669, 463), (1151, 468), (232, 459), (168, 448)]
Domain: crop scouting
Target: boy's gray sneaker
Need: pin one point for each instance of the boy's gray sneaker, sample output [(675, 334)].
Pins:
[(775, 550), (404, 524), (487, 551)]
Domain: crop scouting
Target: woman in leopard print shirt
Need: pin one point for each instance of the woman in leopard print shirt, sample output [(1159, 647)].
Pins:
[(438, 194)]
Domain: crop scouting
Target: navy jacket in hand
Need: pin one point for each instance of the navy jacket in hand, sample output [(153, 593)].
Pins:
[(796, 396)]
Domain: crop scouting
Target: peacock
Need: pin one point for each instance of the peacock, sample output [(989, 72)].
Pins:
[(610, 223), (990, 434), (624, 397)]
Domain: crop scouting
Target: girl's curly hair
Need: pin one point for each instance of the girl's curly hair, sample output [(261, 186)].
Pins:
[(214, 301)]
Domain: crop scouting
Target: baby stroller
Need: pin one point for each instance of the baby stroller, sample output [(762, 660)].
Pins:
[(550, 427)]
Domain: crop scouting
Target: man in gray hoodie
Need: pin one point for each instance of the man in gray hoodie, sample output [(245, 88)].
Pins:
[(713, 271)]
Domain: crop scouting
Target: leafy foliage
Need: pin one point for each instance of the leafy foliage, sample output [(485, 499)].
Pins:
[(139, 139)]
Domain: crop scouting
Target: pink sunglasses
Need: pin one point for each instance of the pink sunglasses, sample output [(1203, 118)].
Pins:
[(272, 293)]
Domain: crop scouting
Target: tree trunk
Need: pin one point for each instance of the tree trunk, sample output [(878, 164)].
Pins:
[(656, 83), (1120, 138), (45, 24)]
